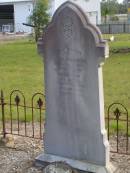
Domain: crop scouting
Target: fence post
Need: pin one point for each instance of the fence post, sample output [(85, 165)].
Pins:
[(109, 28), (3, 113), (124, 28)]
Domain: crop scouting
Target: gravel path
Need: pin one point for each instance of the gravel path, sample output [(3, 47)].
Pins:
[(17, 155), (20, 158), (122, 163)]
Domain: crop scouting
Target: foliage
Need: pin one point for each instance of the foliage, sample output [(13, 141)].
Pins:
[(39, 17), (122, 8), (111, 7)]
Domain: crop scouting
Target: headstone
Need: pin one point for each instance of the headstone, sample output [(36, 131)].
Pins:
[(73, 52)]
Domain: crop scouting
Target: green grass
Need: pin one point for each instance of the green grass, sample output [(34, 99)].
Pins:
[(118, 37), (121, 41), (116, 79), (116, 73), (21, 68)]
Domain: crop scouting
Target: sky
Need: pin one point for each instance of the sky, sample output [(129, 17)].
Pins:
[(119, 0)]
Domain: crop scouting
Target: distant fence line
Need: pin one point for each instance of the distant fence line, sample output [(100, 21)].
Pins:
[(118, 28), (114, 28)]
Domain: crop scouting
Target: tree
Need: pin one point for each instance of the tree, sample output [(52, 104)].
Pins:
[(39, 17), (104, 9), (109, 7), (125, 2), (122, 8)]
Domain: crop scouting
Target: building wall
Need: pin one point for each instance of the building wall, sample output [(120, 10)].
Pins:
[(11, 1), (90, 7), (22, 10)]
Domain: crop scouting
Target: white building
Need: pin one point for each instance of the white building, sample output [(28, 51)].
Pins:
[(90, 7), (13, 13)]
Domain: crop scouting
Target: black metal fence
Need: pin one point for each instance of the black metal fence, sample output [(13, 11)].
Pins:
[(114, 28), (118, 124), (18, 118)]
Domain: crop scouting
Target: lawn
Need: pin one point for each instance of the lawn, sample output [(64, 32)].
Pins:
[(116, 73), (22, 68), (120, 41)]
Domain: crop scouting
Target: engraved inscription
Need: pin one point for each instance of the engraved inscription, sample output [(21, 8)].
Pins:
[(71, 70)]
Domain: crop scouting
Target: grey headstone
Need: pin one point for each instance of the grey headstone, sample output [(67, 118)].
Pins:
[(73, 52)]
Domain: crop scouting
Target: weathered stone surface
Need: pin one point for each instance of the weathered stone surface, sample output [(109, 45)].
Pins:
[(73, 53), (80, 166), (59, 167)]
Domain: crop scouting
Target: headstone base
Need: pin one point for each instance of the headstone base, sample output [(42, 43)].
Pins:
[(81, 166)]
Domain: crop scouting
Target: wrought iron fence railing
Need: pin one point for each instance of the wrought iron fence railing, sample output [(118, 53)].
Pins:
[(118, 130), (20, 119)]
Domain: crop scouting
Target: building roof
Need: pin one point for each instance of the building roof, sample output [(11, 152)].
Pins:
[(10, 1)]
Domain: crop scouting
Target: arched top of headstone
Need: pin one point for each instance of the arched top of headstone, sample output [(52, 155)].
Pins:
[(83, 17), (64, 10)]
